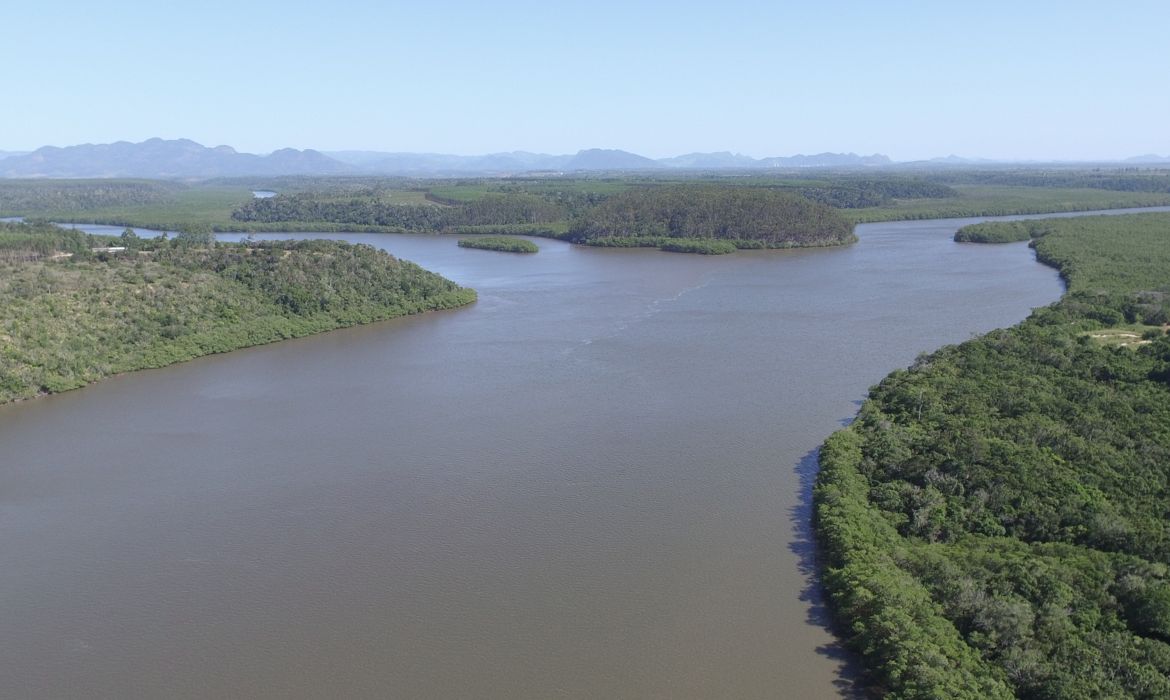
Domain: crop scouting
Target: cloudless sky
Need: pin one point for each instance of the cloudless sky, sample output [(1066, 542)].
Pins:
[(1016, 80)]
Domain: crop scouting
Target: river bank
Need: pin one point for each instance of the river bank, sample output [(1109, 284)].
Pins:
[(590, 483), (75, 313), (992, 521)]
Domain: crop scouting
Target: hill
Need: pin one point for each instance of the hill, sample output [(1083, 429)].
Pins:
[(609, 159), (1148, 158), (183, 158), (709, 161), (444, 164), (71, 315), (158, 158), (825, 160)]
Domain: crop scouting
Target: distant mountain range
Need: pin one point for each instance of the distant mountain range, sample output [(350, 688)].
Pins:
[(958, 160), (593, 159), (183, 158), (157, 158), (1148, 158)]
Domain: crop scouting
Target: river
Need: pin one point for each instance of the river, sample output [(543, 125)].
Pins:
[(592, 483)]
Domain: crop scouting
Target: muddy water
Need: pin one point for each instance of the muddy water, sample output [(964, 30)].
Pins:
[(590, 484)]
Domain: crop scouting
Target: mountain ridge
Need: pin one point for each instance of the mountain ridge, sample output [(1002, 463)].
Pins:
[(186, 159), (159, 158)]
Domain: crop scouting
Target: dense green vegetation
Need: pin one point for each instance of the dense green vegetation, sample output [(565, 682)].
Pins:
[(35, 240), (159, 205), (35, 197), (1114, 179), (576, 211), (70, 316), (1006, 200), (774, 219), (703, 246), (842, 190), (503, 244), (1002, 231), (372, 208), (994, 522), (552, 205)]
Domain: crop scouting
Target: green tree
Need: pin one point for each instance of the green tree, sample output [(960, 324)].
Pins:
[(195, 235)]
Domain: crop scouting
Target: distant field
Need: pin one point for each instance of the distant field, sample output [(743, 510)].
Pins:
[(470, 192), (407, 197), (549, 205), (179, 206), (1003, 200), (212, 205)]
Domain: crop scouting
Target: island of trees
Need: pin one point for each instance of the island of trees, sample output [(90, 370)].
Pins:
[(77, 308), (994, 522), (503, 244)]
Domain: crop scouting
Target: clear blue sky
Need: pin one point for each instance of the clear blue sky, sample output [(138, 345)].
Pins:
[(1022, 80)]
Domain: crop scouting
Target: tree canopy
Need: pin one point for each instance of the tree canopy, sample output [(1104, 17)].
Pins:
[(994, 520), (70, 316), (764, 216)]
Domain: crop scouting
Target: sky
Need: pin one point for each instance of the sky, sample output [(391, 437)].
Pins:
[(1007, 80)]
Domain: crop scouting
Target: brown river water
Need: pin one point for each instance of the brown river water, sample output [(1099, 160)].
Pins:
[(592, 483)]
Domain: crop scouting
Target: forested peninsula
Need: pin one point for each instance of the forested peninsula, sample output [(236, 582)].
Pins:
[(743, 217), (649, 215), (994, 522), (75, 308)]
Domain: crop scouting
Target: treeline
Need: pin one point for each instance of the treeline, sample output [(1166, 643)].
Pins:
[(370, 210), (1134, 180), (38, 239), (857, 193), (548, 206), (1003, 231), (767, 217), (577, 196), (71, 321), (748, 216), (569, 202), (994, 521), (30, 197), (986, 200)]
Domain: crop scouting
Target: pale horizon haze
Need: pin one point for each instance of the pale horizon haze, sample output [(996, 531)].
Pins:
[(912, 80)]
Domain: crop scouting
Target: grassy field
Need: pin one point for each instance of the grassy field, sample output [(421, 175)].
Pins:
[(212, 205)]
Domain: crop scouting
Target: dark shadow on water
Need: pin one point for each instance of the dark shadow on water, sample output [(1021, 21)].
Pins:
[(850, 682), (844, 423)]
